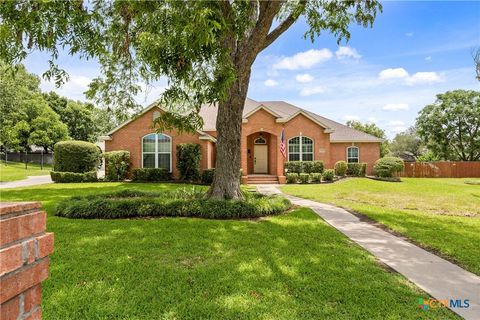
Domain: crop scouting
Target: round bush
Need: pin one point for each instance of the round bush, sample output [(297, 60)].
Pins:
[(316, 177), (304, 178), (117, 165), (292, 177), (341, 168), (76, 156), (183, 203), (388, 166), (328, 175)]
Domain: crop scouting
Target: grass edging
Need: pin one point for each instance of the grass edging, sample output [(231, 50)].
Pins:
[(182, 203)]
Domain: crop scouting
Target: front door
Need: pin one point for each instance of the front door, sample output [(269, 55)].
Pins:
[(260, 160)]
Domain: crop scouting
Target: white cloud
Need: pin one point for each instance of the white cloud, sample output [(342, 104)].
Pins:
[(74, 88), (347, 52), (304, 60), (393, 73), (429, 58), (270, 83), (351, 117), (399, 129), (409, 34), (311, 91), (423, 78), (395, 106), (372, 120), (304, 78)]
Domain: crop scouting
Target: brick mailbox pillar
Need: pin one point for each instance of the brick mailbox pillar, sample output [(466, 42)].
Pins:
[(24, 250)]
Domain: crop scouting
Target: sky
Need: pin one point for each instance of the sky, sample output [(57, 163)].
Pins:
[(385, 74)]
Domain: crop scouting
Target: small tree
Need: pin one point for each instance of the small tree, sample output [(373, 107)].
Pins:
[(407, 143), (450, 127), (188, 161)]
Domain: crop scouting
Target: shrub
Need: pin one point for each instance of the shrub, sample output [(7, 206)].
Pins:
[(316, 177), (117, 165), (318, 167), (127, 204), (292, 177), (207, 176), (188, 161), (340, 168), (150, 174), (388, 166), (357, 169), (70, 177), (76, 156), (304, 178), (294, 166), (307, 166), (328, 175)]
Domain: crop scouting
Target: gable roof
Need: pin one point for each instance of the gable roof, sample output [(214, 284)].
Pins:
[(283, 112)]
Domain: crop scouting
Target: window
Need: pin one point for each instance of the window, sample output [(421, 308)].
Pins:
[(260, 140), (300, 149), (157, 151), (352, 155)]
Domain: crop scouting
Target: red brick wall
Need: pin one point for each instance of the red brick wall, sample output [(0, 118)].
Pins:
[(368, 152), (130, 137), (24, 250)]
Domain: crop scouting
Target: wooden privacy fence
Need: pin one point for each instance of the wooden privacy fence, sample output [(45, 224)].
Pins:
[(442, 169)]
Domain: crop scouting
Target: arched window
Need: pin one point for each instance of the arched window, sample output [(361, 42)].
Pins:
[(353, 155), (260, 140), (157, 151), (300, 149)]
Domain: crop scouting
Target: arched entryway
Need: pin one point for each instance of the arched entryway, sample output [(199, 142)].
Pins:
[(261, 154)]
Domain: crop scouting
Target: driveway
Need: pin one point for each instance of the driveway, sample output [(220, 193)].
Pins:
[(30, 181)]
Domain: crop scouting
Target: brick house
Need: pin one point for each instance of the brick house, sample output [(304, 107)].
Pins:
[(307, 136)]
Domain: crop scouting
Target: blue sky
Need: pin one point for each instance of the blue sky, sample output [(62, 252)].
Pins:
[(384, 74)]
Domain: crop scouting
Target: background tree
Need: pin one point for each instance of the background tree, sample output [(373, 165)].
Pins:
[(407, 143), (205, 48), (374, 130), (450, 127), (476, 60)]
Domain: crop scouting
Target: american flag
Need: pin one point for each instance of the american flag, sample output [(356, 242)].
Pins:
[(283, 150)]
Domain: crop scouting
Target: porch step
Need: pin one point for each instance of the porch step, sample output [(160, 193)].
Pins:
[(262, 179)]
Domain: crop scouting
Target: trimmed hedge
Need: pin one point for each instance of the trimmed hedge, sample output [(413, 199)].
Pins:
[(207, 176), (70, 177), (328, 175), (357, 169), (188, 161), (76, 156), (117, 165), (292, 177), (150, 174), (386, 167), (340, 168), (127, 204), (316, 177), (304, 166), (304, 178)]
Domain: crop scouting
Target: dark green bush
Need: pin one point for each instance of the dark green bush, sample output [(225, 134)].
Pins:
[(70, 177), (293, 167), (307, 166), (150, 174), (357, 169), (318, 167), (292, 177), (188, 161), (304, 178), (328, 175), (316, 177), (76, 156), (388, 166), (207, 176), (173, 204), (340, 168), (117, 165)]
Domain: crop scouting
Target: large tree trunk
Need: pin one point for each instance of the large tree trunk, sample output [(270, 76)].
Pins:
[(226, 181)]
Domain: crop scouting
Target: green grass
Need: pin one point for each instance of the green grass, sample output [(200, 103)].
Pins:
[(16, 171), (440, 214), (292, 266)]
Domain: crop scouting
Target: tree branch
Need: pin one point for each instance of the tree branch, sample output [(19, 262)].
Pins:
[(284, 25)]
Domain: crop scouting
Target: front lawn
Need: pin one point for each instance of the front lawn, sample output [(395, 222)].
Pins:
[(292, 266), (440, 214), (16, 171)]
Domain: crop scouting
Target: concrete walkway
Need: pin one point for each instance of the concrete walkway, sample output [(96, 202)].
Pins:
[(30, 181), (440, 278)]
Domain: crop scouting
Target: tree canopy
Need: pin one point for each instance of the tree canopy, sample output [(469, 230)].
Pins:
[(450, 127), (204, 48), (407, 144), (374, 130)]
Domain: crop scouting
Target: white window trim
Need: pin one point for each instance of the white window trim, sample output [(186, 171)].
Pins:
[(301, 147), (156, 153), (358, 153), (262, 143)]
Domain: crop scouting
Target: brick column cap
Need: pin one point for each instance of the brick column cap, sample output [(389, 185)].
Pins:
[(13, 207)]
